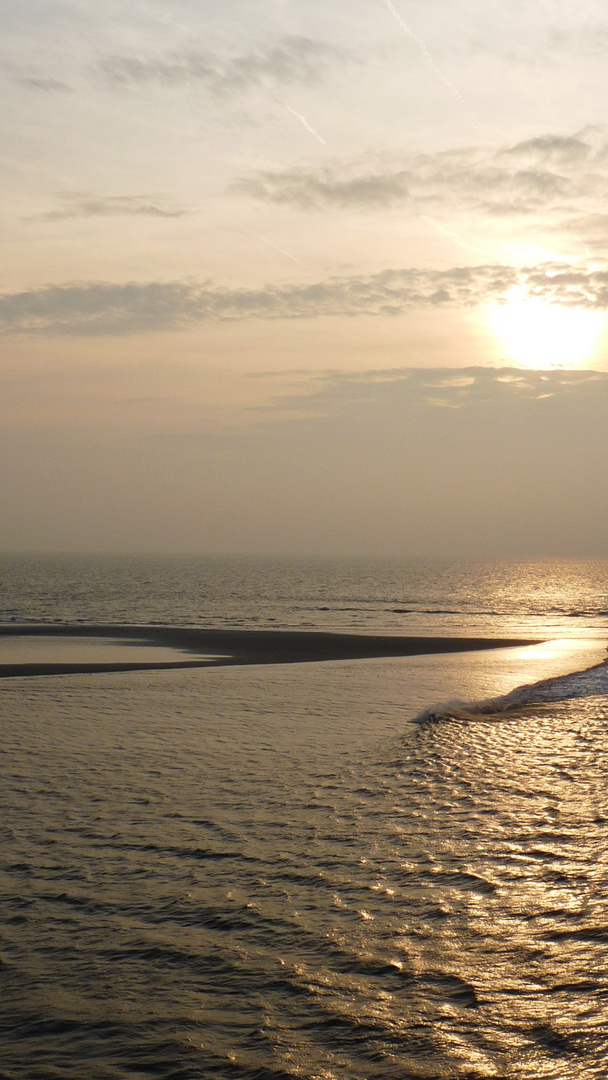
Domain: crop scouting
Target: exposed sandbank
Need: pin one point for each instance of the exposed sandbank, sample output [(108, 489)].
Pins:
[(229, 647)]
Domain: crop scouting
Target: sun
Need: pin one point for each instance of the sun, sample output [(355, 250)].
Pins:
[(533, 333)]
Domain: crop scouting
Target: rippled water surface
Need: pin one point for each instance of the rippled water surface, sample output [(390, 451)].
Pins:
[(240, 874), (274, 872)]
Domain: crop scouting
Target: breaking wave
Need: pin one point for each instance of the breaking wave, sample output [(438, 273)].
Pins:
[(591, 682)]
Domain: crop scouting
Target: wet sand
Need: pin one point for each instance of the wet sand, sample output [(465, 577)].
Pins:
[(229, 647)]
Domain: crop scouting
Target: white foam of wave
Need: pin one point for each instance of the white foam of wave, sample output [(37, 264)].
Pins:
[(590, 682)]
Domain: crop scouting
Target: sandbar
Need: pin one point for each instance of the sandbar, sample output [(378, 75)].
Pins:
[(217, 648)]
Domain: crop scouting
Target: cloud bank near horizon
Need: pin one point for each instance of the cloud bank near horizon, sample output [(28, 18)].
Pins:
[(323, 394), (411, 461)]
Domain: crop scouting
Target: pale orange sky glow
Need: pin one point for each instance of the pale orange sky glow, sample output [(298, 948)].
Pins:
[(235, 240)]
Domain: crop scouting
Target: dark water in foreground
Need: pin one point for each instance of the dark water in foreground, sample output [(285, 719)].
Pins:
[(271, 872)]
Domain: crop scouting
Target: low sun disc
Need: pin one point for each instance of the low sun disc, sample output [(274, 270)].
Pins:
[(535, 333)]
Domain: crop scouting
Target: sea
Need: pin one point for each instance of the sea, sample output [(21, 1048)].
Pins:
[(384, 868)]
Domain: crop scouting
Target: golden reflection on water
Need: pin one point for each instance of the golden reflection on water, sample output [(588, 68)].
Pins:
[(548, 660), (528, 931)]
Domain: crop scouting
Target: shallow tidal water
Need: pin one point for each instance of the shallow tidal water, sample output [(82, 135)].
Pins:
[(85, 649), (272, 872), (364, 869)]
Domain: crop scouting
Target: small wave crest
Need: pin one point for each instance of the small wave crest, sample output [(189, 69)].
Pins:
[(590, 682)]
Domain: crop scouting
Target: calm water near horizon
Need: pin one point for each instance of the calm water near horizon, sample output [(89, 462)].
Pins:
[(562, 596), (273, 872)]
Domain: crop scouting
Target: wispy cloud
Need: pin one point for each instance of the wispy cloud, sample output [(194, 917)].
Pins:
[(45, 86), (550, 174), (290, 60), (547, 40), (91, 206), (104, 308), (554, 150), (324, 188)]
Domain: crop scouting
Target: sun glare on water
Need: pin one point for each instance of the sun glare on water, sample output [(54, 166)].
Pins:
[(533, 333)]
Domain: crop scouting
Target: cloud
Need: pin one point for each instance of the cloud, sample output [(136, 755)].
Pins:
[(453, 380), (105, 308), (548, 150), (45, 86), (591, 230), (291, 60), (361, 393), (89, 206), (545, 43), (590, 39), (541, 174), (323, 188), (569, 286), (96, 308)]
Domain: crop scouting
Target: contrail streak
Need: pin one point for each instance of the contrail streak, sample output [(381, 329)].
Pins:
[(443, 231), (423, 49), (305, 124), (280, 250)]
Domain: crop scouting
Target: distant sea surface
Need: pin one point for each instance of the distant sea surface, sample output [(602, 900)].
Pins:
[(410, 597), (352, 869)]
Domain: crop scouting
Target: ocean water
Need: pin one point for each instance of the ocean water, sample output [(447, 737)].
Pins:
[(552, 597), (383, 868)]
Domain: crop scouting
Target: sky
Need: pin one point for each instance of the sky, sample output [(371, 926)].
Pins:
[(323, 278)]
